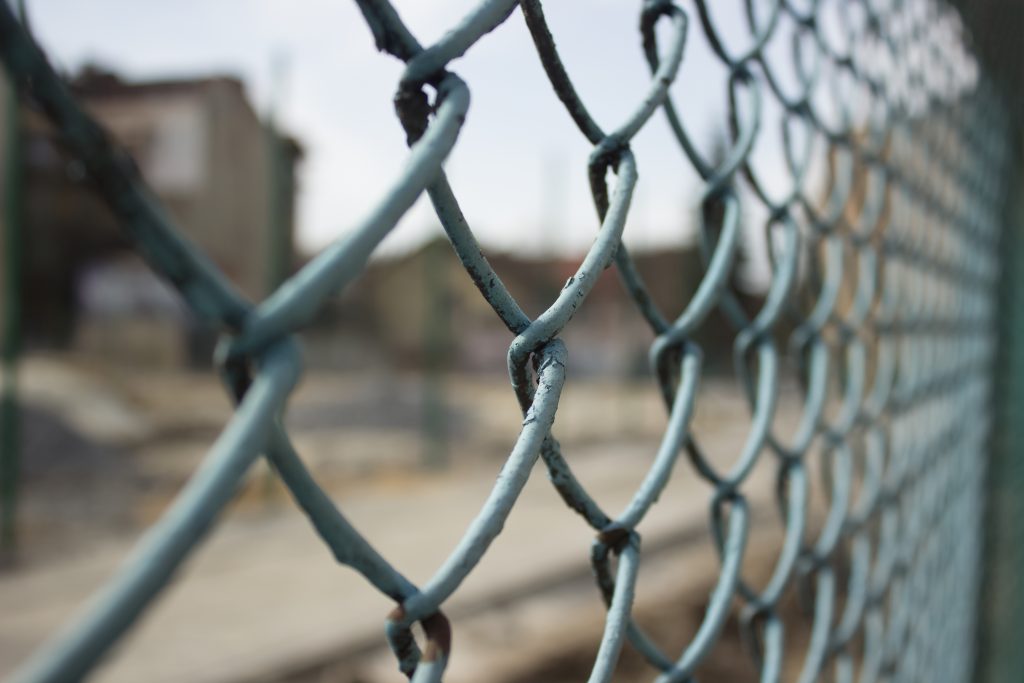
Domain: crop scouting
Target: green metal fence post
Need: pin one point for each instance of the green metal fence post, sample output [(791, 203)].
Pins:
[(10, 344), (1001, 618)]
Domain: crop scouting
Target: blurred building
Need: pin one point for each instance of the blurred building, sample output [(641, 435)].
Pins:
[(226, 180), (403, 308)]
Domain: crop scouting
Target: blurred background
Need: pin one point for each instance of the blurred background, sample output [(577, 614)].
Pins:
[(266, 128)]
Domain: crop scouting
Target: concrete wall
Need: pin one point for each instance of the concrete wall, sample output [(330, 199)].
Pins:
[(205, 153)]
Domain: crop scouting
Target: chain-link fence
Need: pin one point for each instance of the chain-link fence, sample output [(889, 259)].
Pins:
[(884, 256)]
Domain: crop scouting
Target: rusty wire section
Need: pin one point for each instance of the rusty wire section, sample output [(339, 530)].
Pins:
[(884, 264)]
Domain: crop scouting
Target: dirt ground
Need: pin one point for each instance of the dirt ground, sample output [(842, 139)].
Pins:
[(107, 447)]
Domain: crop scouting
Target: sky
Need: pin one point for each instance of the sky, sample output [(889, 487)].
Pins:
[(519, 168)]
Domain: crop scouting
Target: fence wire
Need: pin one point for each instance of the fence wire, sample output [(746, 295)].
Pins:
[(884, 262)]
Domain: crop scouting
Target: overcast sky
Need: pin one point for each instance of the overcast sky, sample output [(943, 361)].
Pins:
[(519, 168)]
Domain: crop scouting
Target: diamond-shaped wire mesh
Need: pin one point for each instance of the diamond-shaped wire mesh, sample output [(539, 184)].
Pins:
[(884, 264)]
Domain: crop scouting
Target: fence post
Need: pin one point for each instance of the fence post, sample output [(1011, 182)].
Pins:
[(436, 349), (1000, 656), (10, 345)]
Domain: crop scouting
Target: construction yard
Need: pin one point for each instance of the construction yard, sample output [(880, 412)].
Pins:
[(108, 447)]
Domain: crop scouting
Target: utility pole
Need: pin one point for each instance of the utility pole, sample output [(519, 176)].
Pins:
[(10, 342), (554, 203), (436, 351), (279, 188)]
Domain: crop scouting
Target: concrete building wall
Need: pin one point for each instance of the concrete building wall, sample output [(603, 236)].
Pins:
[(205, 153), (236, 205)]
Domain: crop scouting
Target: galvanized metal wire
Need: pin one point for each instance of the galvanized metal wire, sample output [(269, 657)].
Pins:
[(884, 261)]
